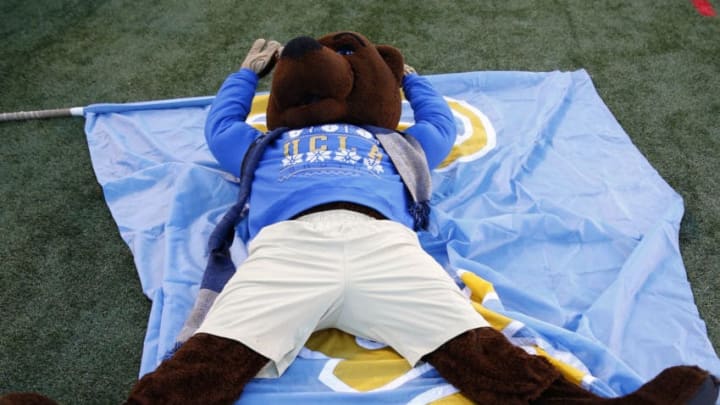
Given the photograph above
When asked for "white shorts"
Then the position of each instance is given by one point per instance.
(339, 269)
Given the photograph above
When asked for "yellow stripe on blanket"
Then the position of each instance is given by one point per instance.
(569, 372)
(356, 365)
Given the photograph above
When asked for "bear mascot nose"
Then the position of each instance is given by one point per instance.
(298, 47)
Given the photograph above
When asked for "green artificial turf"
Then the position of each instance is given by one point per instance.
(73, 314)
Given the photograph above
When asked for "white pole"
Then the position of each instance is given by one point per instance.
(41, 114)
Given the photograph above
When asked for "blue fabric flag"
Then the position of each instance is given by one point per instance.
(544, 196)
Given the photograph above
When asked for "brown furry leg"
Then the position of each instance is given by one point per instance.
(25, 398)
(563, 391)
(488, 369)
(205, 370)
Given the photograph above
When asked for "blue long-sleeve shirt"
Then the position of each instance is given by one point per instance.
(309, 166)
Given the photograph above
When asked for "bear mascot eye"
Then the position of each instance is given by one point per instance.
(345, 51)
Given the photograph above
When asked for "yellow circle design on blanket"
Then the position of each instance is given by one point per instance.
(364, 369)
(257, 115)
(361, 368)
(476, 134)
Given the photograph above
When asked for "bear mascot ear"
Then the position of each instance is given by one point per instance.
(394, 60)
(339, 78)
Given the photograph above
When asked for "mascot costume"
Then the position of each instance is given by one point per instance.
(333, 196)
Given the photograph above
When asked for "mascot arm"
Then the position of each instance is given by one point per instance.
(434, 123)
(227, 134)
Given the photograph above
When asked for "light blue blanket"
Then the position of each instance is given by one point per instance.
(544, 196)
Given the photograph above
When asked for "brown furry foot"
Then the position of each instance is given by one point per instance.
(674, 386)
(488, 369)
(205, 370)
(25, 398)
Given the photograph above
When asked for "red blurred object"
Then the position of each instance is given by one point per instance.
(704, 7)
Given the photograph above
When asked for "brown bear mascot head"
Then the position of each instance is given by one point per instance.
(341, 77)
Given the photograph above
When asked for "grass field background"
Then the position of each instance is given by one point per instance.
(73, 315)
